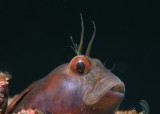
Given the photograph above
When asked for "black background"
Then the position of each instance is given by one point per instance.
(34, 39)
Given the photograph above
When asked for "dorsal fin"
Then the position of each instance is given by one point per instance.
(18, 97)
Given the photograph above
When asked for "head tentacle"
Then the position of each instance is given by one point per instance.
(82, 36)
(74, 46)
(91, 41)
(78, 49)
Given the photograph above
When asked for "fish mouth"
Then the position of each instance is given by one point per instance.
(118, 88)
(108, 86)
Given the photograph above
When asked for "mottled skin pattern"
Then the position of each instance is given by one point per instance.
(63, 91)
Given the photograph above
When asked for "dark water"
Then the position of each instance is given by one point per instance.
(34, 39)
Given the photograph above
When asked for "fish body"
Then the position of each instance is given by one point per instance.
(63, 91)
(82, 86)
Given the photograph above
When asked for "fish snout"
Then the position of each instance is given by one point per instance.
(106, 96)
(107, 85)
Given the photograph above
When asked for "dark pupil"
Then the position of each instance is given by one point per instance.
(80, 66)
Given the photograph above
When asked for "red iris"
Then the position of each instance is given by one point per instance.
(80, 65)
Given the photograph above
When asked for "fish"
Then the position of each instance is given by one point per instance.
(82, 86)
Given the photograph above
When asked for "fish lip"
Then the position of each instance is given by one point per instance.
(115, 87)
(118, 88)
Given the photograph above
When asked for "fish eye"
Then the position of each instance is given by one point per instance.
(80, 65)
